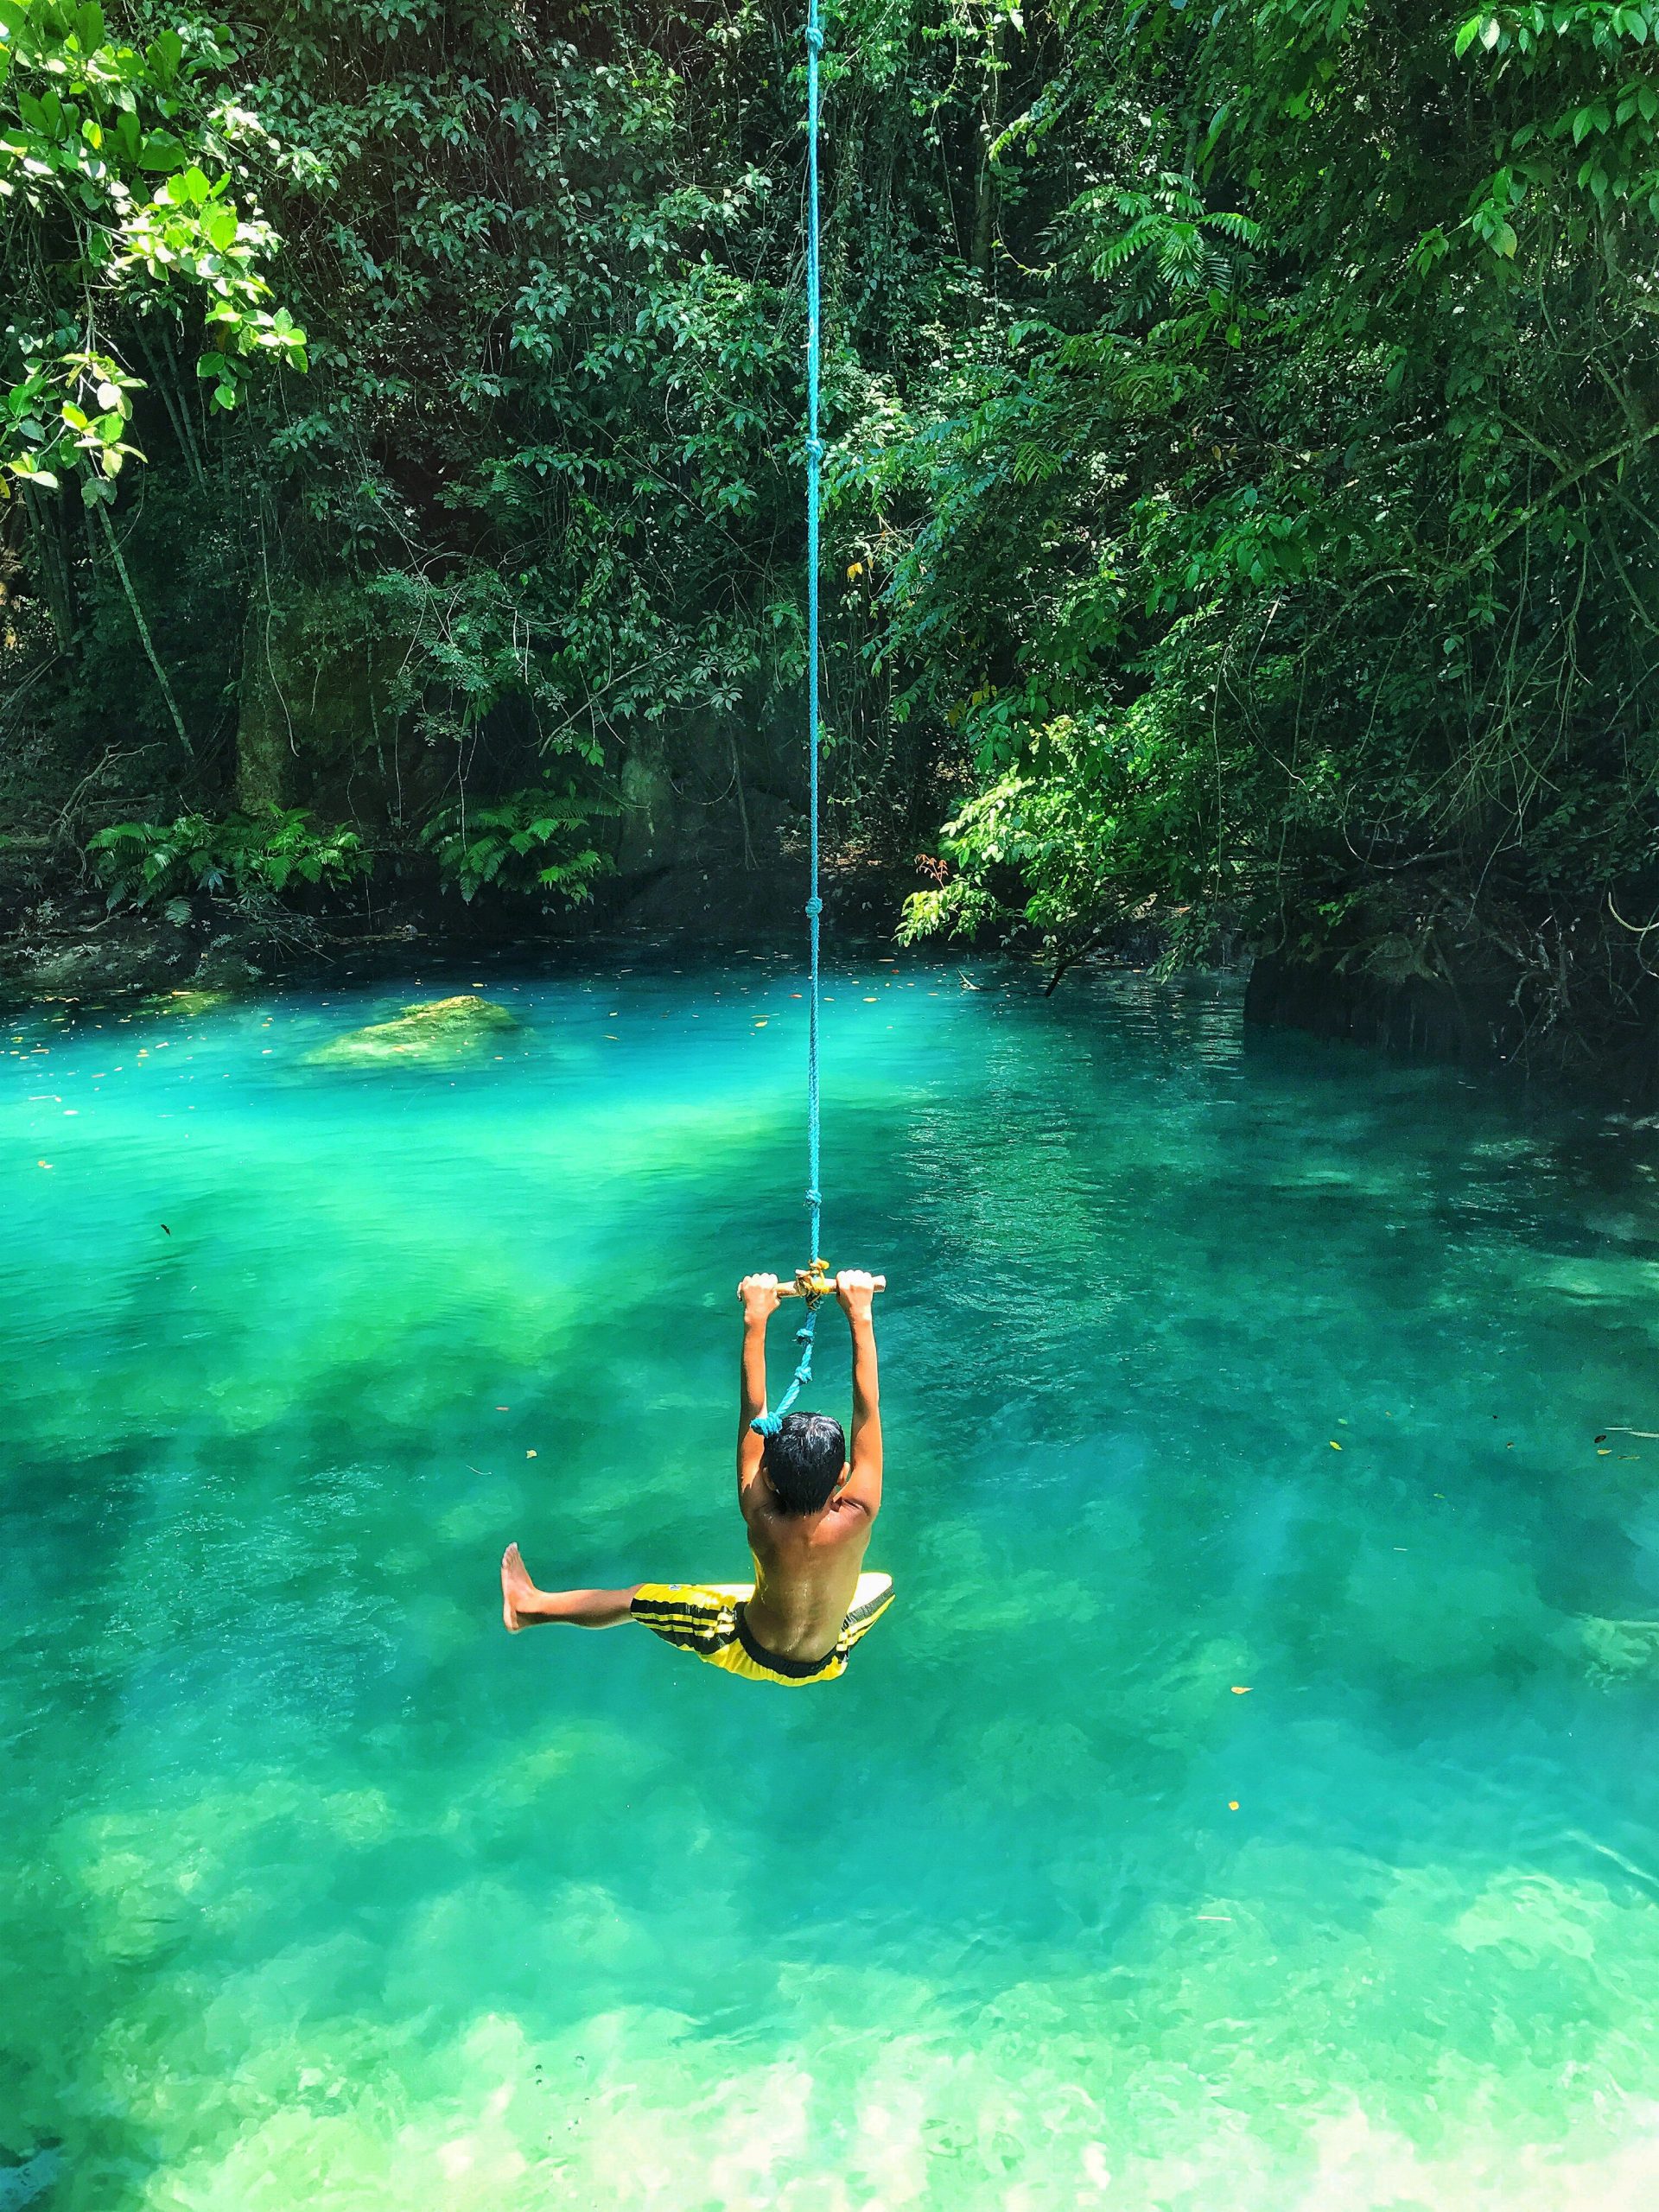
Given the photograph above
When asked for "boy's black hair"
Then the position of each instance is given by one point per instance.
(803, 1459)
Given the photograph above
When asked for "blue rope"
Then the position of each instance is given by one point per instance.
(767, 1423)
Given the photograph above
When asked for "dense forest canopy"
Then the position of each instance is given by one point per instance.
(1240, 485)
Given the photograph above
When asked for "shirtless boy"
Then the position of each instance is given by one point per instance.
(809, 1510)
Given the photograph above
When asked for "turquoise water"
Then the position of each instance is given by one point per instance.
(318, 1891)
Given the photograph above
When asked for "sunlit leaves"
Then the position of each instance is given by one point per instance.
(1586, 73)
(102, 147)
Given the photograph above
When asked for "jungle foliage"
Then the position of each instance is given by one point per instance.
(1241, 482)
(1309, 524)
(235, 856)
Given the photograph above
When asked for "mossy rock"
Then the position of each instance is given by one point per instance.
(436, 1032)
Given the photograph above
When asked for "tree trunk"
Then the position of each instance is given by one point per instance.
(984, 177)
(142, 628)
(53, 565)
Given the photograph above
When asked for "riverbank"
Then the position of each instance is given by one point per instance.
(1479, 1012)
(1484, 1010)
(70, 943)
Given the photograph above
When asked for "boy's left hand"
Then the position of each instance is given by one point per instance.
(759, 1294)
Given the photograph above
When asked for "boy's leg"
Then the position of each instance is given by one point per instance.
(523, 1604)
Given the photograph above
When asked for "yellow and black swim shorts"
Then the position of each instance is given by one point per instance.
(706, 1619)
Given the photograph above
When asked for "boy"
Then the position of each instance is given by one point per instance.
(809, 1510)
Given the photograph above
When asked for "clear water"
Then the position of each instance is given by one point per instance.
(318, 1891)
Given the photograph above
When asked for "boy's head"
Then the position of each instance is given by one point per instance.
(804, 1460)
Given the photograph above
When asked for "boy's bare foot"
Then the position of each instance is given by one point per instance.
(516, 1586)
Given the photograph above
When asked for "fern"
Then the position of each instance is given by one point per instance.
(531, 841)
(1170, 232)
(234, 857)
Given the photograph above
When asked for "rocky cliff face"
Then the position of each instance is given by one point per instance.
(316, 726)
(711, 808)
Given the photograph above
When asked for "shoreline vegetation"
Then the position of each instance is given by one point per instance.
(1241, 528)
(1471, 1020)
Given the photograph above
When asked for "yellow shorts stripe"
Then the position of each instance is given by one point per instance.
(707, 1619)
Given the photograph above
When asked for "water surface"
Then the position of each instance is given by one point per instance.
(1250, 1802)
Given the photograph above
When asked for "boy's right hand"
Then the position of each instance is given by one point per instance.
(759, 1294)
(854, 1291)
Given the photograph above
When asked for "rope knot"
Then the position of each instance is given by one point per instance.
(815, 449)
(765, 1424)
(813, 906)
(815, 1198)
(814, 39)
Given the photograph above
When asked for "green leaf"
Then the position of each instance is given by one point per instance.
(161, 151)
(164, 55)
(188, 190)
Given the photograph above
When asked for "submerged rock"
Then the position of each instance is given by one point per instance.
(436, 1032)
(187, 1003)
(1620, 1650)
(23, 2180)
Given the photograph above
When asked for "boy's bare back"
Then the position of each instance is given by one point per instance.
(807, 1562)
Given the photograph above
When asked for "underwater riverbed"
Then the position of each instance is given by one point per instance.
(1250, 1801)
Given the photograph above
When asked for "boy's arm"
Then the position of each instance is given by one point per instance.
(856, 1291)
(760, 1297)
